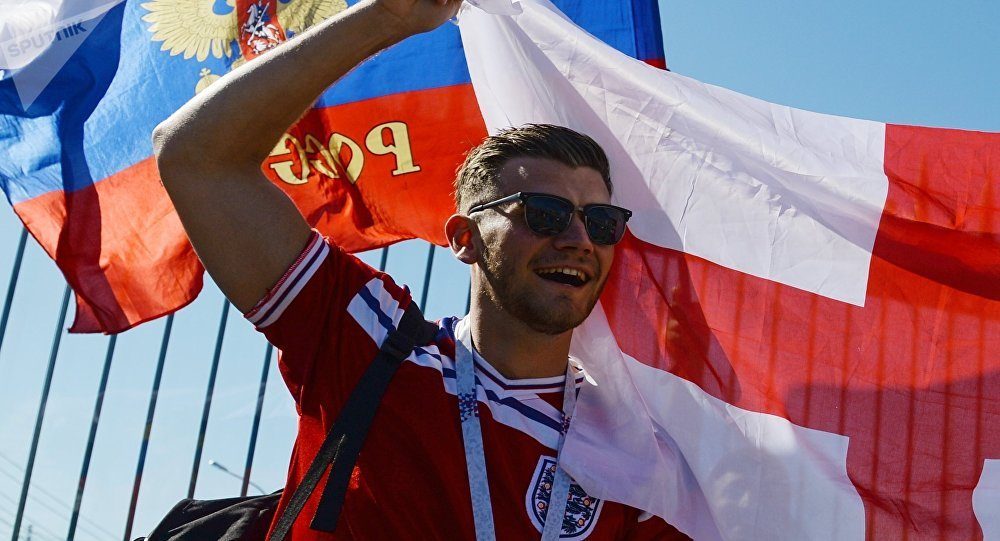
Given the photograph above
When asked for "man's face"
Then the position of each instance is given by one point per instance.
(521, 269)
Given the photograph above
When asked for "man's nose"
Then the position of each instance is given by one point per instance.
(575, 236)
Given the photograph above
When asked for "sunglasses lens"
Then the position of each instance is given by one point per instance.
(605, 224)
(547, 215)
(550, 215)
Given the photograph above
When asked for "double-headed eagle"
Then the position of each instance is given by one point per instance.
(196, 27)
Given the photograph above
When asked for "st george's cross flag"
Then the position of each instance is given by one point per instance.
(800, 336)
(84, 82)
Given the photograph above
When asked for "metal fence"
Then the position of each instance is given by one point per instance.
(102, 434)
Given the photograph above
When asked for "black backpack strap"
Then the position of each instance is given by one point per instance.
(345, 439)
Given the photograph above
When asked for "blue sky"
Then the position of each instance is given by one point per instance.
(915, 62)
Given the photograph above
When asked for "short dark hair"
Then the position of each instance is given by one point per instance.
(477, 178)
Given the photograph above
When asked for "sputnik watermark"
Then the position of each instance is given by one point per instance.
(26, 46)
(38, 37)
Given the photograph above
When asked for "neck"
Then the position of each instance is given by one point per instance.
(513, 348)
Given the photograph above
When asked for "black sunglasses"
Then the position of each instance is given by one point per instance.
(550, 215)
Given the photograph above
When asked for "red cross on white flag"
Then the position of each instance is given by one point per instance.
(800, 335)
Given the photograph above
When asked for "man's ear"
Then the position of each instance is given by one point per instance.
(460, 231)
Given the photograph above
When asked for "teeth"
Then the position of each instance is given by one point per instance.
(565, 270)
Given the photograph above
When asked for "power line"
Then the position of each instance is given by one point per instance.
(37, 488)
(46, 534)
(66, 508)
(37, 522)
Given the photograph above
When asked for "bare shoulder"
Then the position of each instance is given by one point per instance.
(245, 230)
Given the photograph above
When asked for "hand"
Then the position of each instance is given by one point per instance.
(418, 16)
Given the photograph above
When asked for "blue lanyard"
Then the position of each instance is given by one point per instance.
(475, 459)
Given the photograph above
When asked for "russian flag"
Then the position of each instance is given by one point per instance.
(370, 165)
(799, 336)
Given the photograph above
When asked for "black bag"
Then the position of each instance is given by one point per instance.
(248, 518)
(231, 519)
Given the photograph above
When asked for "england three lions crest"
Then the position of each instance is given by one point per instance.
(582, 510)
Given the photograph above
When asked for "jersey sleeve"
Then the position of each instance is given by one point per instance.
(307, 315)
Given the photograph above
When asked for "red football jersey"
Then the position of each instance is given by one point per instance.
(328, 315)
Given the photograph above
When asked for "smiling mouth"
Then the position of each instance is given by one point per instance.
(564, 275)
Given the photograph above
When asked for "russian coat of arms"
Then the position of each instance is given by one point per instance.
(199, 28)
(582, 510)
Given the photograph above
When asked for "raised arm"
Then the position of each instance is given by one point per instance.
(246, 230)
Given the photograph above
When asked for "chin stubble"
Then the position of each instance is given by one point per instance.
(525, 306)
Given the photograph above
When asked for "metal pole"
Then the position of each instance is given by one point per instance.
(41, 415)
(427, 278)
(14, 275)
(98, 404)
(468, 300)
(256, 419)
(385, 259)
(209, 392)
(153, 394)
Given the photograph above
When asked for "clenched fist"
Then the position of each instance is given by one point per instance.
(417, 16)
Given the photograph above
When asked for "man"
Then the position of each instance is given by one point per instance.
(538, 262)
